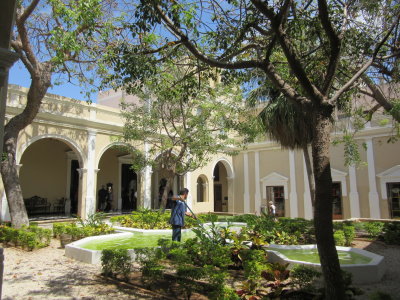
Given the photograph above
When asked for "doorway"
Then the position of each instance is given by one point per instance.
(128, 187)
(337, 201)
(74, 187)
(218, 198)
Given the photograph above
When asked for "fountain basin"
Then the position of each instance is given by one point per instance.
(366, 267)
(89, 249)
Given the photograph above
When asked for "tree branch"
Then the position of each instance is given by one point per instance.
(195, 51)
(335, 45)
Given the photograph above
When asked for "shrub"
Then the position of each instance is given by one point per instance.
(29, 238)
(304, 276)
(379, 295)
(116, 262)
(391, 233)
(340, 239)
(374, 229)
(349, 234)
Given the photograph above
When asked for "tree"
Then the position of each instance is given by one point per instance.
(314, 52)
(286, 123)
(183, 116)
(52, 37)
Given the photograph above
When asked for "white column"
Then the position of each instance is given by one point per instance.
(147, 181)
(246, 195)
(353, 195)
(231, 200)
(308, 210)
(5, 212)
(257, 196)
(90, 201)
(293, 191)
(373, 196)
(188, 185)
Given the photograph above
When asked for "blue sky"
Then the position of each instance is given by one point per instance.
(20, 76)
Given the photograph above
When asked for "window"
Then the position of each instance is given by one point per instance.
(276, 194)
(393, 189)
(201, 189)
(337, 200)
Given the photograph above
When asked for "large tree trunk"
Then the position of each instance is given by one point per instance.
(40, 83)
(334, 288)
(310, 174)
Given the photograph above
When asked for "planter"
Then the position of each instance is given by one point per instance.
(65, 239)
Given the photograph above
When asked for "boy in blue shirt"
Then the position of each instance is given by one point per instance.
(178, 213)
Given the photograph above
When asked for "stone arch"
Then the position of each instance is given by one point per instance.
(98, 158)
(70, 142)
(223, 194)
(227, 164)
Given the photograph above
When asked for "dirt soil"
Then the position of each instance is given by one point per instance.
(48, 274)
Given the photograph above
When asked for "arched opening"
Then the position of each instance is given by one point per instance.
(49, 177)
(202, 189)
(116, 171)
(221, 188)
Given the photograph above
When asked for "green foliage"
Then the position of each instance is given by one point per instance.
(340, 239)
(116, 262)
(374, 229)
(391, 233)
(304, 276)
(349, 234)
(93, 225)
(145, 219)
(29, 238)
(379, 295)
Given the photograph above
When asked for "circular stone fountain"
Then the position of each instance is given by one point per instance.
(366, 267)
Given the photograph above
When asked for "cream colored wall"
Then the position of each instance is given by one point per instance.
(389, 159)
(44, 170)
(238, 183)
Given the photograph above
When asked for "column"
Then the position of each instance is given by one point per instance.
(246, 195)
(293, 191)
(188, 185)
(374, 209)
(353, 195)
(90, 201)
(231, 199)
(257, 196)
(308, 209)
(147, 181)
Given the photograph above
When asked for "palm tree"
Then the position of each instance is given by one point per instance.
(286, 123)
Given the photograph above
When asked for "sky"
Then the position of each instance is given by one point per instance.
(20, 76)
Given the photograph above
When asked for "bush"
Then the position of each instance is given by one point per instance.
(304, 276)
(374, 229)
(116, 262)
(340, 239)
(349, 234)
(29, 238)
(378, 295)
(391, 233)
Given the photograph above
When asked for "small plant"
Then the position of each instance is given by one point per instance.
(116, 262)
(374, 229)
(340, 239)
(391, 233)
(379, 295)
(349, 234)
(304, 276)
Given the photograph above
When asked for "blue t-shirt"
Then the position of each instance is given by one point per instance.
(178, 214)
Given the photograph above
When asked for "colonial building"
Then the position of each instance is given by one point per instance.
(72, 149)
